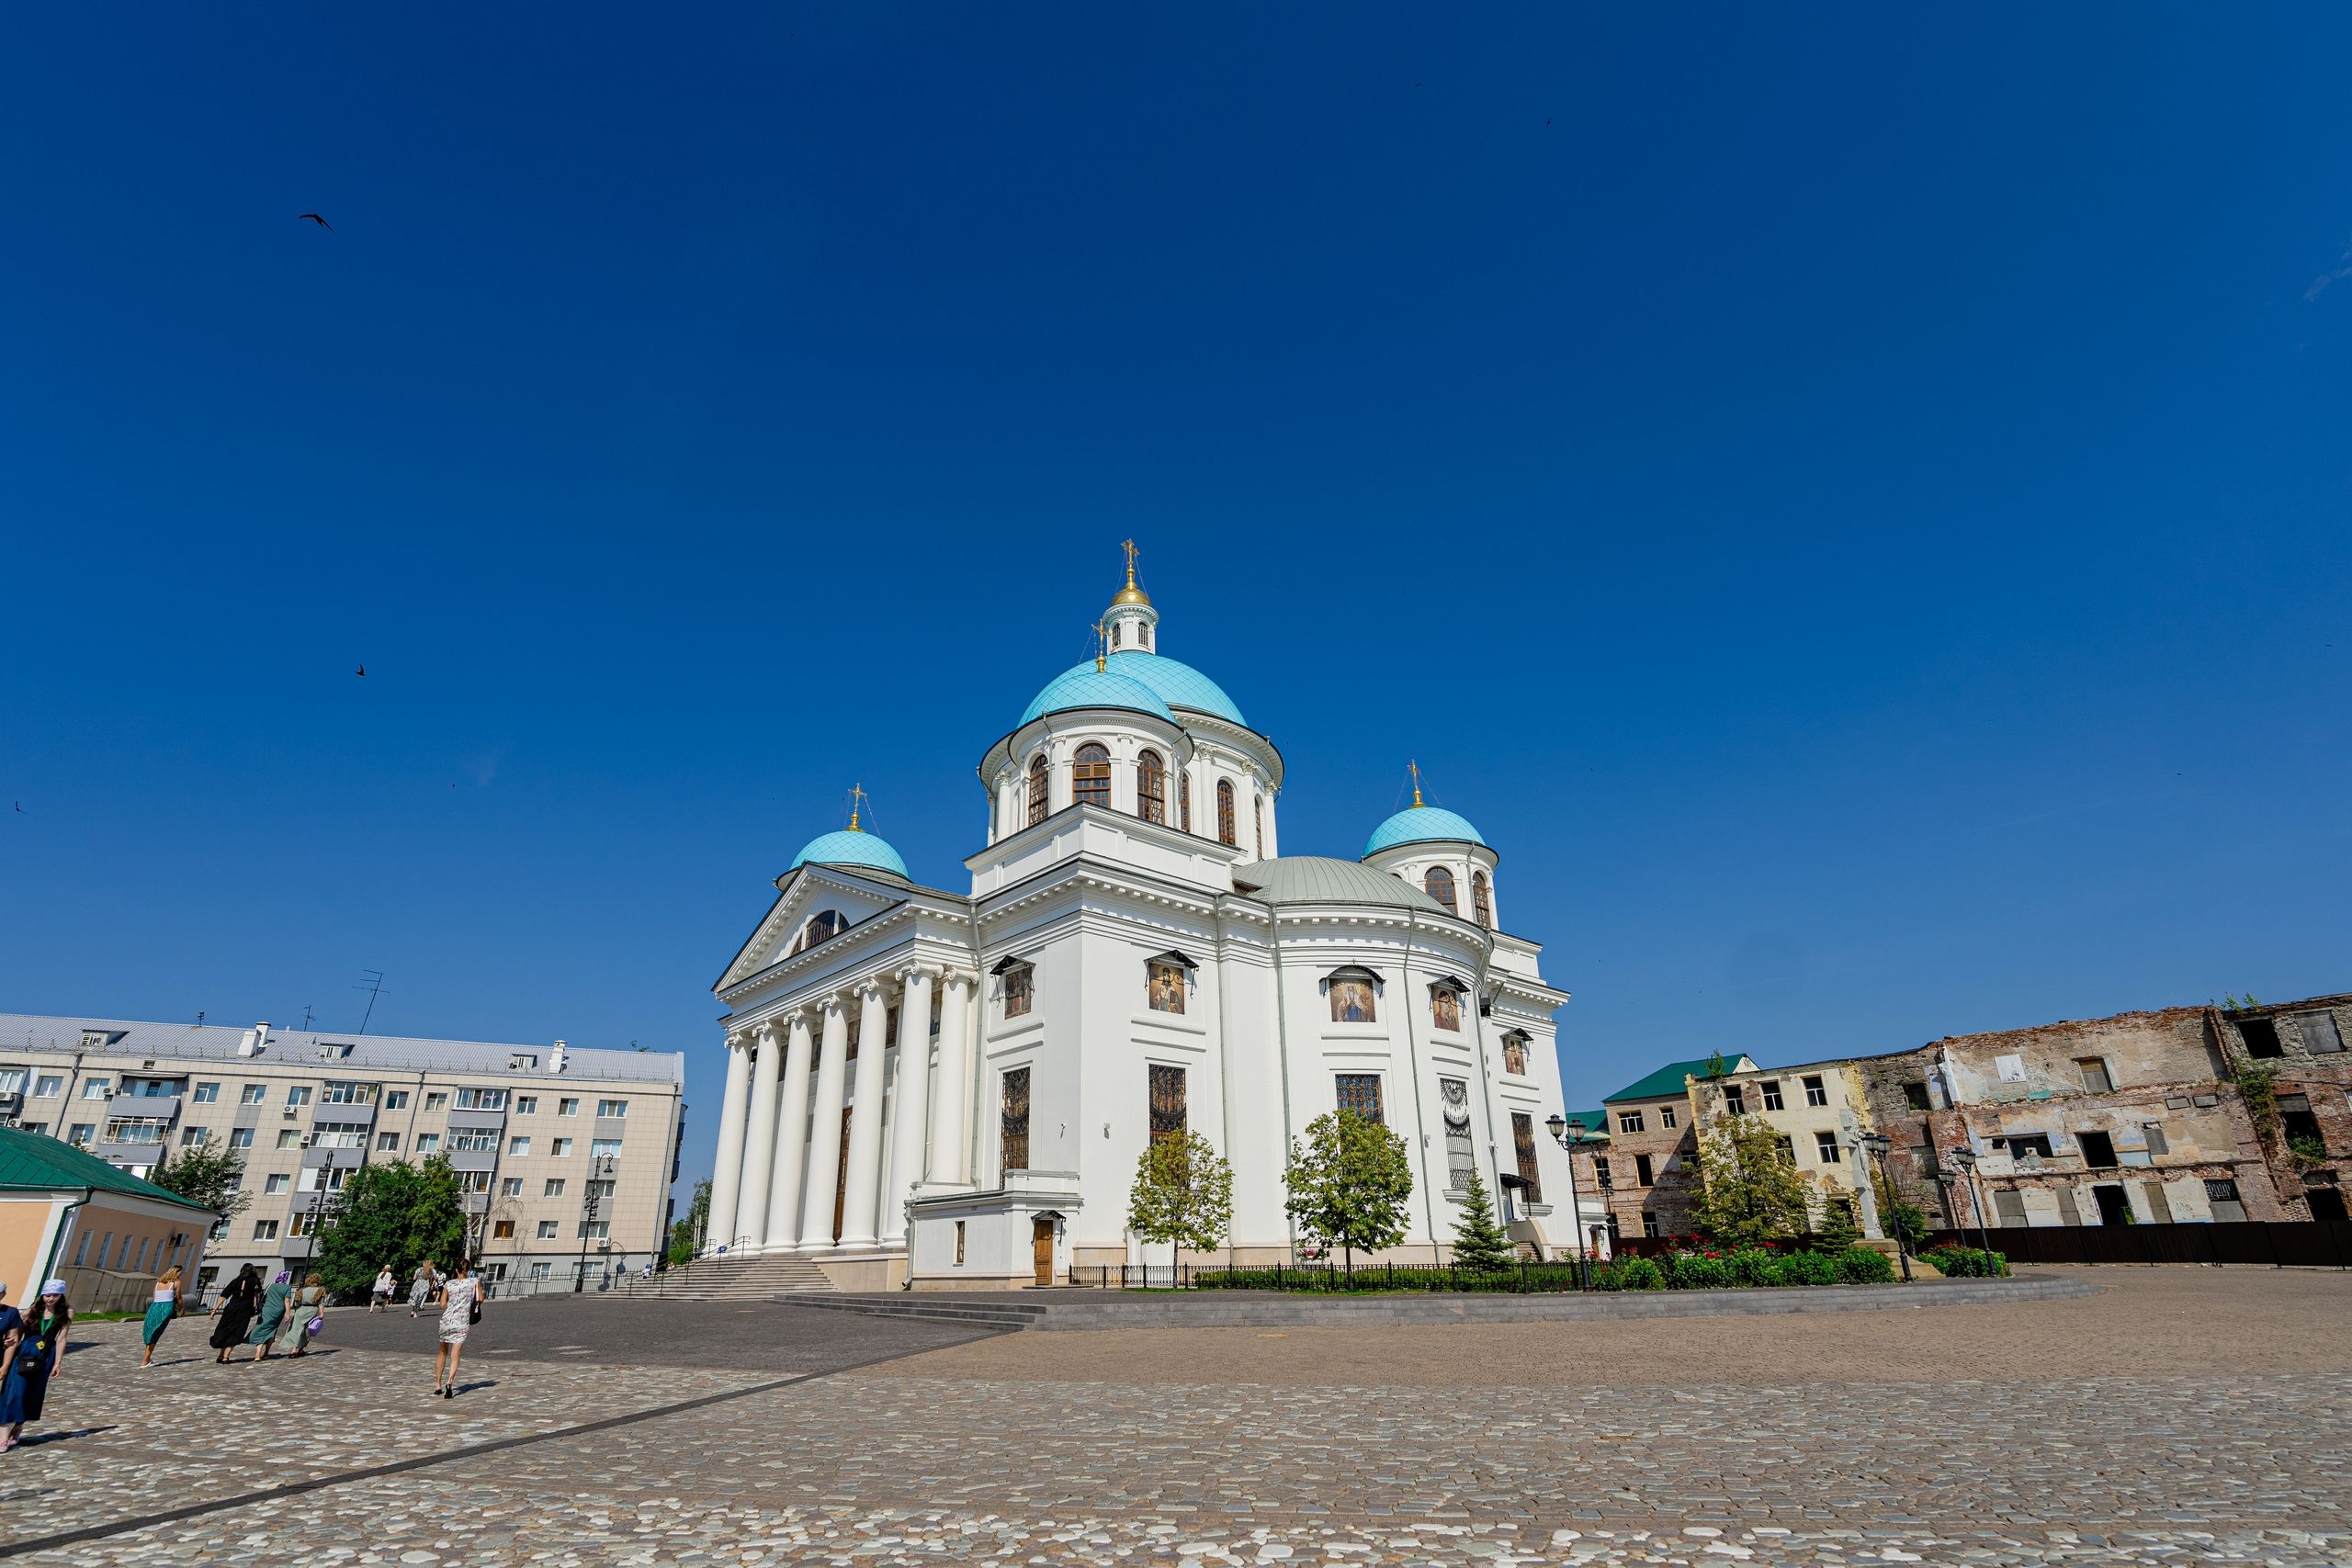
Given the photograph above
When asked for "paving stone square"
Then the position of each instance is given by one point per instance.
(2179, 1416)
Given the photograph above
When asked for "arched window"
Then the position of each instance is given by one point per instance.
(1090, 778)
(1225, 811)
(1038, 775)
(1351, 996)
(821, 927)
(1185, 801)
(1257, 825)
(1116, 627)
(1152, 787)
(1143, 633)
(1438, 883)
(1481, 905)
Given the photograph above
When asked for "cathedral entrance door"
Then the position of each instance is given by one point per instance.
(840, 1180)
(1041, 1248)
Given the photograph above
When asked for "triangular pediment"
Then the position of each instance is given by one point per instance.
(810, 893)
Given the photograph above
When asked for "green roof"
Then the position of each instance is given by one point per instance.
(1666, 1082)
(1596, 1124)
(36, 1160)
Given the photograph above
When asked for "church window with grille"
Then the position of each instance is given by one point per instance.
(1438, 883)
(1166, 1102)
(1090, 776)
(1015, 1119)
(1515, 1054)
(1461, 1161)
(1522, 1139)
(1038, 789)
(1225, 825)
(1482, 903)
(1360, 1092)
(1185, 801)
(1152, 787)
(1352, 996)
(1257, 825)
(1116, 627)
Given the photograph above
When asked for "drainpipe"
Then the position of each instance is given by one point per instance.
(1224, 1048)
(1413, 1065)
(64, 1221)
(1282, 1059)
(1485, 1099)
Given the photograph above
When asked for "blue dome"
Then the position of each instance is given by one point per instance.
(1420, 825)
(1087, 687)
(850, 847)
(1174, 682)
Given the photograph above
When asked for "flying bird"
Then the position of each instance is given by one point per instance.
(315, 219)
(363, 669)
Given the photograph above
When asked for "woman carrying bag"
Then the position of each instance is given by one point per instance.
(305, 1315)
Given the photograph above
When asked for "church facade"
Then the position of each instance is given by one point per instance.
(955, 1085)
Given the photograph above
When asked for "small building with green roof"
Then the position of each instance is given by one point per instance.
(67, 1214)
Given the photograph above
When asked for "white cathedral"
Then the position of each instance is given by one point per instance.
(954, 1087)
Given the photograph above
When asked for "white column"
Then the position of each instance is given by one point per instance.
(792, 1140)
(951, 1151)
(910, 1112)
(825, 1132)
(727, 1175)
(864, 1180)
(759, 1140)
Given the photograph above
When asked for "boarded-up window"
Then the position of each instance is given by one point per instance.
(2068, 1213)
(2008, 1207)
(1522, 1139)
(2157, 1145)
(1166, 1102)
(2096, 1079)
(2321, 1037)
(1360, 1092)
(2011, 1069)
(1015, 1121)
(2158, 1204)
(2223, 1196)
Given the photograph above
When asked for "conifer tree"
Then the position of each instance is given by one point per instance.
(1479, 1240)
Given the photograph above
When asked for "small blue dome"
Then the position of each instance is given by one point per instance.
(1173, 681)
(1421, 825)
(850, 847)
(1087, 687)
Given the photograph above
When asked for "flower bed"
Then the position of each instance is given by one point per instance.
(1687, 1269)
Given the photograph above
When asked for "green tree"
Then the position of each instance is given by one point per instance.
(395, 1212)
(1838, 1229)
(686, 1233)
(1348, 1184)
(205, 1173)
(1899, 1218)
(1479, 1240)
(1751, 1191)
(1183, 1194)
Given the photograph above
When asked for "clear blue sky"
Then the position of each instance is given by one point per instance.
(1855, 507)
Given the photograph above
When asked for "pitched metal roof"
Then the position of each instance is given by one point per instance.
(38, 1161)
(1666, 1082)
(26, 1036)
(1316, 879)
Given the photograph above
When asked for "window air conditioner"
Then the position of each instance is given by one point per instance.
(306, 1140)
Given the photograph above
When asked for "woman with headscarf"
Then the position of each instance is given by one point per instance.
(272, 1315)
(161, 1307)
(306, 1304)
(32, 1362)
(239, 1300)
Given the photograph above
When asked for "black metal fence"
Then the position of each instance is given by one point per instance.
(2296, 1244)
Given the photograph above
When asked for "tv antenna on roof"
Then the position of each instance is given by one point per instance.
(371, 982)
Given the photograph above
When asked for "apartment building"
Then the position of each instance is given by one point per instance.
(1819, 1111)
(567, 1155)
(1653, 1139)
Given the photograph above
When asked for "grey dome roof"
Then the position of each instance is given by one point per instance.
(1317, 879)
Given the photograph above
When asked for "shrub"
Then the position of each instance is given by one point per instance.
(1750, 1266)
(1864, 1266)
(1968, 1262)
(1803, 1268)
(1698, 1272)
(1637, 1274)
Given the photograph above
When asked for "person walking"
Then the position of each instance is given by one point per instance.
(422, 1289)
(161, 1307)
(381, 1297)
(305, 1307)
(11, 1319)
(240, 1298)
(33, 1362)
(271, 1317)
(461, 1309)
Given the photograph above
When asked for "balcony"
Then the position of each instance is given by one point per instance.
(129, 1153)
(477, 1202)
(344, 1112)
(339, 1159)
(163, 1107)
(473, 1159)
(479, 1121)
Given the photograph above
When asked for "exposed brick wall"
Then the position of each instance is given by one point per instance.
(1673, 1173)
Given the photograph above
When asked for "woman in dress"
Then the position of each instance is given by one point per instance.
(294, 1335)
(238, 1299)
(460, 1299)
(271, 1317)
(381, 1297)
(161, 1307)
(32, 1362)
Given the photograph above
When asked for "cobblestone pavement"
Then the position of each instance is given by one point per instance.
(2220, 1430)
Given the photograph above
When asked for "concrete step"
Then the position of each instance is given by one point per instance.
(953, 1309)
(742, 1278)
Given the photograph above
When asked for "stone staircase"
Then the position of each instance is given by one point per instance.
(740, 1279)
(922, 1306)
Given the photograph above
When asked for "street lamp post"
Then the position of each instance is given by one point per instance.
(1965, 1158)
(600, 1170)
(1877, 1144)
(1568, 1135)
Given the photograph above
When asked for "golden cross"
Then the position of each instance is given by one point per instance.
(1416, 767)
(858, 797)
(1129, 545)
(1101, 646)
